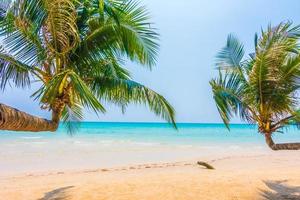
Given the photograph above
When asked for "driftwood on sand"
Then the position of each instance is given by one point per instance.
(208, 166)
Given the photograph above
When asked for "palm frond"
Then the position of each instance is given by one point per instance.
(20, 30)
(28, 13)
(26, 48)
(84, 94)
(127, 32)
(230, 57)
(71, 116)
(138, 37)
(273, 51)
(124, 91)
(62, 33)
(228, 95)
(13, 70)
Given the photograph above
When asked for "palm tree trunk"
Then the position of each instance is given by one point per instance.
(15, 120)
(283, 146)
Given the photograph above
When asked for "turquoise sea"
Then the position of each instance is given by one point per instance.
(97, 145)
(162, 133)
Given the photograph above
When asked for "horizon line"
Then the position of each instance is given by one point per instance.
(161, 122)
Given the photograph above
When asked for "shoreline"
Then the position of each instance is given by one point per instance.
(70, 158)
(131, 167)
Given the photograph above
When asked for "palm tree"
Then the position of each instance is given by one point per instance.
(262, 88)
(76, 49)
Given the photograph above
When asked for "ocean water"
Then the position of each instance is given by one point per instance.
(155, 133)
(96, 145)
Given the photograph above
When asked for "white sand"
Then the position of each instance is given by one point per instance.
(239, 175)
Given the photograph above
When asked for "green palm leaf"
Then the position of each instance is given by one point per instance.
(12, 69)
(124, 91)
(230, 57)
(263, 87)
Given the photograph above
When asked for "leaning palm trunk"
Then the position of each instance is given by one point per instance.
(282, 146)
(15, 120)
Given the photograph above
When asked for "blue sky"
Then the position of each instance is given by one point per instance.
(192, 32)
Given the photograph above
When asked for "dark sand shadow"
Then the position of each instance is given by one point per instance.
(57, 194)
(278, 190)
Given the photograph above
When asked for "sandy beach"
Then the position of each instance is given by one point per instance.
(266, 175)
(149, 100)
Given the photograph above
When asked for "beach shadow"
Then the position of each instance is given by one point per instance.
(280, 191)
(57, 194)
